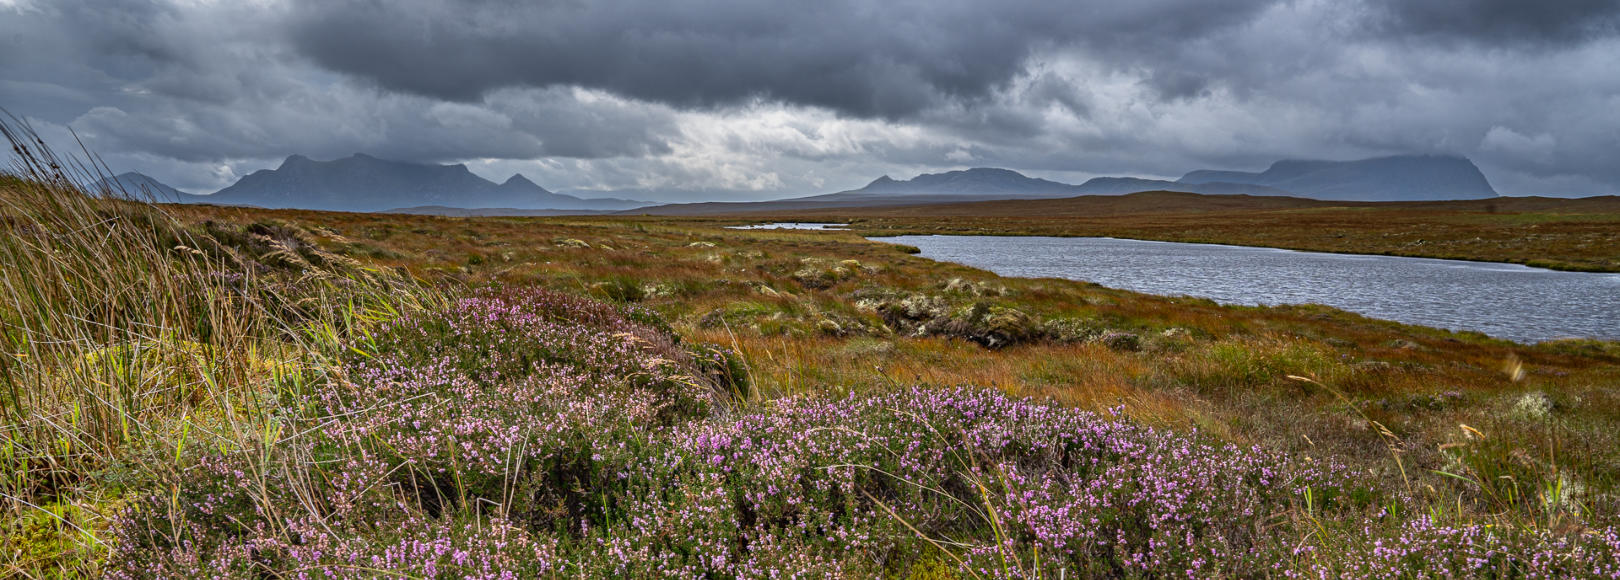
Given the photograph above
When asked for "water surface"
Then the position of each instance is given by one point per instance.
(1503, 300)
(791, 226)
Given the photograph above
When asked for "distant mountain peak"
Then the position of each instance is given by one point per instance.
(518, 182)
(987, 171)
(975, 181)
(518, 179)
(139, 185)
(362, 182)
(1419, 177)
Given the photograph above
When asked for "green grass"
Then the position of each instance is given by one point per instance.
(775, 297)
(1577, 234)
(127, 336)
(138, 344)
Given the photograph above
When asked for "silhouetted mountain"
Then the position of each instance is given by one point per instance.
(985, 183)
(488, 211)
(365, 183)
(972, 185)
(980, 181)
(140, 186)
(1176, 203)
(1398, 178)
(1129, 185)
(519, 187)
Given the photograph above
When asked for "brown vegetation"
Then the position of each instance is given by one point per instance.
(816, 312)
(1476, 431)
(1566, 234)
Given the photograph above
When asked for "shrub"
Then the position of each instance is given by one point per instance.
(621, 289)
(124, 330)
(528, 433)
(1121, 341)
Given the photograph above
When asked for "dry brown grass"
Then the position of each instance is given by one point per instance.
(1571, 234)
(127, 336)
(798, 306)
(1217, 368)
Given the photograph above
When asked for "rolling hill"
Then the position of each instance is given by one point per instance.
(365, 183)
(1398, 178)
(1181, 203)
(140, 186)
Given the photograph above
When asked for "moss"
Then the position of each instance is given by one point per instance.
(54, 540)
(926, 568)
(737, 313)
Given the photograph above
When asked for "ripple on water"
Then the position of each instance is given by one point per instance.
(1503, 300)
(791, 226)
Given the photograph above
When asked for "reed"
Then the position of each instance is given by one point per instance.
(126, 335)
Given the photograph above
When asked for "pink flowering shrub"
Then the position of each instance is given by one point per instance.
(529, 433)
(1421, 547)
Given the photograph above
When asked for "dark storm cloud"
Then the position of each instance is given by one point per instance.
(888, 59)
(219, 82)
(807, 97)
(1496, 22)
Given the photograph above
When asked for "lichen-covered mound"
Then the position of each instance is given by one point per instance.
(528, 433)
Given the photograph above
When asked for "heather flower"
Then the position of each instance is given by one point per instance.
(528, 433)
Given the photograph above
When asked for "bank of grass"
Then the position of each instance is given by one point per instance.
(1575, 235)
(827, 312)
(232, 392)
(822, 312)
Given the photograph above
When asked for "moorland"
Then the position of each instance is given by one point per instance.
(199, 390)
(1581, 234)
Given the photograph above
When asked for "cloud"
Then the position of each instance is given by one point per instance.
(1495, 22)
(738, 99)
(1538, 148)
(864, 58)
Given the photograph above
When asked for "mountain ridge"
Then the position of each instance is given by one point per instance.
(137, 185)
(1324, 180)
(987, 183)
(1389, 178)
(978, 180)
(364, 183)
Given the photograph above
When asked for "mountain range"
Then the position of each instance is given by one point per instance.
(138, 186)
(1397, 178)
(985, 181)
(364, 183)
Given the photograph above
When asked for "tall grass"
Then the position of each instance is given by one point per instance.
(239, 398)
(126, 335)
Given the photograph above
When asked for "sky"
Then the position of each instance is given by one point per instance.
(679, 100)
